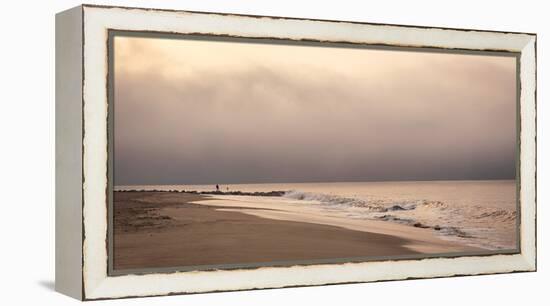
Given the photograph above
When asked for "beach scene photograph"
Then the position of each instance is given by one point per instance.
(238, 153)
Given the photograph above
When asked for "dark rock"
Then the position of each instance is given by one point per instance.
(420, 225)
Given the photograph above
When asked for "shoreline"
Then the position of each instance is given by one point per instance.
(171, 229)
(281, 193)
(421, 239)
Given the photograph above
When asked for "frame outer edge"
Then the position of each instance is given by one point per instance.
(528, 102)
(68, 153)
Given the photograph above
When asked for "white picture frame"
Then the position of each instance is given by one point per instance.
(82, 150)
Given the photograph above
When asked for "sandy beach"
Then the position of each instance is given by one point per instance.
(172, 229)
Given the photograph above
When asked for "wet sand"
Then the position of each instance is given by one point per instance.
(169, 229)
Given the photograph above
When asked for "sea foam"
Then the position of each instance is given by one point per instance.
(448, 220)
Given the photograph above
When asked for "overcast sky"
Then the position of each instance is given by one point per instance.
(203, 112)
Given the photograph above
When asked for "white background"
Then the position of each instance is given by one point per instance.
(27, 160)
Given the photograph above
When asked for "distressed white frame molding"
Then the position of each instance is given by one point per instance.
(82, 34)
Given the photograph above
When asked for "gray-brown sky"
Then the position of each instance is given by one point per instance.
(194, 112)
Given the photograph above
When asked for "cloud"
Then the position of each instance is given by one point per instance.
(335, 114)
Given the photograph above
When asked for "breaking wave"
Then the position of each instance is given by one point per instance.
(333, 200)
(372, 205)
(436, 215)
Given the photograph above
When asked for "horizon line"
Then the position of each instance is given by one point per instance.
(320, 182)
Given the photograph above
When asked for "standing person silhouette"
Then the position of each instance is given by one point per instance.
(217, 188)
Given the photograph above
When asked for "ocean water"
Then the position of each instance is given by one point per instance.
(477, 213)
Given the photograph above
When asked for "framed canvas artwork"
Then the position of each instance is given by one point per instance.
(200, 152)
